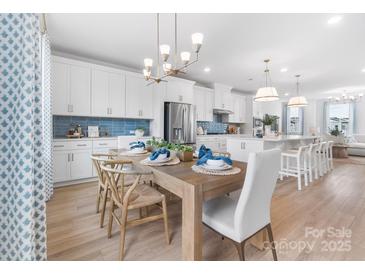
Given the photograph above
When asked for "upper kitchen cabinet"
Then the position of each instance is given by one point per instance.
(239, 109)
(204, 103)
(179, 91)
(107, 93)
(139, 97)
(222, 97)
(71, 87)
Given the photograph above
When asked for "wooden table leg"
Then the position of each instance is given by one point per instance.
(259, 239)
(192, 228)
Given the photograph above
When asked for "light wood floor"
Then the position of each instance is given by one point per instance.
(337, 200)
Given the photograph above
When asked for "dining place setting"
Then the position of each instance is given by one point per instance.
(211, 163)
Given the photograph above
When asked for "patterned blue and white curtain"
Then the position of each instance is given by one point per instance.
(22, 187)
(47, 116)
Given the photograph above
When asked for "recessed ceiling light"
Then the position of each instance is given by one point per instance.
(334, 20)
(207, 69)
(363, 70)
(286, 94)
(284, 70)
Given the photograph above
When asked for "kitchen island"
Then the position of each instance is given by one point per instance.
(240, 147)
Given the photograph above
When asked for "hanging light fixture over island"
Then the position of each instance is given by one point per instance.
(267, 93)
(298, 101)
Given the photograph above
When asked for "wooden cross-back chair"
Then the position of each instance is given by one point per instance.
(136, 196)
(103, 192)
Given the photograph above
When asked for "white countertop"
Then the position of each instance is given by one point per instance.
(281, 138)
(95, 138)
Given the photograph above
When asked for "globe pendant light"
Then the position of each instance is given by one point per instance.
(298, 101)
(267, 93)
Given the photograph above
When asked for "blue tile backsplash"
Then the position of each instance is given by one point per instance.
(213, 127)
(107, 126)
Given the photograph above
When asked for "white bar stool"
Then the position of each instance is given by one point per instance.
(313, 151)
(322, 158)
(300, 156)
(330, 154)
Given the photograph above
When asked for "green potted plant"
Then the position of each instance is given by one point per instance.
(185, 153)
(337, 135)
(268, 121)
(139, 132)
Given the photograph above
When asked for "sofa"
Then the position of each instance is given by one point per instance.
(357, 145)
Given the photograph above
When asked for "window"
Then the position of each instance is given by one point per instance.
(294, 121)
(340, 116)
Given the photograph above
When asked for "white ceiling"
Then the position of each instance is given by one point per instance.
(329, 57)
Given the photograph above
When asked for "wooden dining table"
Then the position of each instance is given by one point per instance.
(195, 188)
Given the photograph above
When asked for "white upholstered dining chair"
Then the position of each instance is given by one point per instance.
(242, 217)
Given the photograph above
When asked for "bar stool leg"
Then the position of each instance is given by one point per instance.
(281, 167)
(305, 170)
(310, 167)
(315, 166)
(299, 174)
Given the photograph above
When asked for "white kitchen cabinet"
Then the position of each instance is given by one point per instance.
(80, 94)
(239, 109)
(71, 87)
(199, 96)
(116, 95)
(209, 102)
(99, 93)
(107, 94)
(216, 144)
(81, 166)
(179, 91)
(61, 166)
(204, 103)
(241, 148)
(72, 160)
(60, 84)
(138, 98)
(222, 97)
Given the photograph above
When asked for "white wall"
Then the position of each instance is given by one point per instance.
(360, 117)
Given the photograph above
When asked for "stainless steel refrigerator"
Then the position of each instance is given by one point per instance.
(179, 123)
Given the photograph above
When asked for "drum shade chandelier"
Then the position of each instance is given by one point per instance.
(267, 93)
(298, 101)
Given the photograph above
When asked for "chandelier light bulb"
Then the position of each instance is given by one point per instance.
(185, 57)
(146, 74)
(197, 39)
(361, 95)
(166, 67)
(148, 62)
(165, 52)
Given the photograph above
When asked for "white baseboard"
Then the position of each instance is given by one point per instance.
(75, 182)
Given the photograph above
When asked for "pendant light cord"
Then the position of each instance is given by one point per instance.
(158, 45)
(175, 40)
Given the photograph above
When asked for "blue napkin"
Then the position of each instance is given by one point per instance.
(209, 156)
(136, 145)
(203, 150)
(155, 154)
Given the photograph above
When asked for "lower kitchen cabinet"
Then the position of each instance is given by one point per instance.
(216, 144)
(71, 165)
(81, 164)
(61, 166)
(241, 148)
(71, 158)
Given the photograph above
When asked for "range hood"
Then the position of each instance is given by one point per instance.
(222, 99)
(222, 111)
